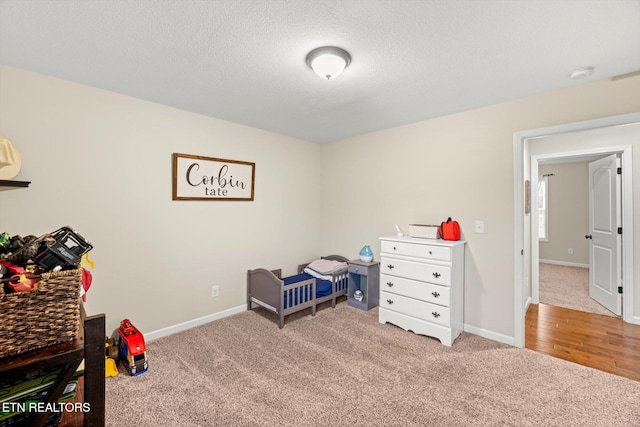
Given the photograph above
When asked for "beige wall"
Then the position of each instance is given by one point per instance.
(568, 213)
(101, 163)
(461, 166)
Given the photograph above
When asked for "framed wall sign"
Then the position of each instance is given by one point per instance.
(208, 178)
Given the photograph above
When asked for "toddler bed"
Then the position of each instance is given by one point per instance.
(316, 282)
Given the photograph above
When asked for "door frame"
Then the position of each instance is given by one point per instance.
(535, 247)
(521, 253)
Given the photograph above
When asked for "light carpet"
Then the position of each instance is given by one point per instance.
(568, 287)
(343, 368)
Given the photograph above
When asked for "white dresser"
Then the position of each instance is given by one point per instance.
(422, 286)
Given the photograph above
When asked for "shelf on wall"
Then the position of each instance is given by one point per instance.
(10, 185)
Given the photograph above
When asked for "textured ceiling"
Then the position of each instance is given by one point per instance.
(244, 60)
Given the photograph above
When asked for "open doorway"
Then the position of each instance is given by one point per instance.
(595, 137)
(545, 152)
(565, 250)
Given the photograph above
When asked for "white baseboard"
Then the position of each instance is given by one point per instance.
(490, 335)
(635, 320)
(169, 330)
(568, 264)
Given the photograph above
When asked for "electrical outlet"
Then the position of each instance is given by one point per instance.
(570, 251)
(215, 291)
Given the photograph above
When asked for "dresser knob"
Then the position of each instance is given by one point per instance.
(394, 248)
(430, 253)
(436, 274)
(435, 294)
(390, 301)
(390, 266)
(390, 284)
(435, 314)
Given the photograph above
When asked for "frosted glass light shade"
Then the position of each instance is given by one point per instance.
(328, 62)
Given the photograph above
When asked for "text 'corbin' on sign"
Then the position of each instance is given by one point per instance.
(208, 178)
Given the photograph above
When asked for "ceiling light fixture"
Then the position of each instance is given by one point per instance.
(328, 61)
(581, 73)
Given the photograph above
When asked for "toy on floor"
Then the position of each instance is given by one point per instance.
(111, 358)
(133, 352)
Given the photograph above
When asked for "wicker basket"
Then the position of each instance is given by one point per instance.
(40, 318)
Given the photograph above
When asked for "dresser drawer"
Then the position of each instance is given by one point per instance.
(420, 290)
(434, 252)
(416, 308)
(438, 274)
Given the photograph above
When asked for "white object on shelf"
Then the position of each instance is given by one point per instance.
(424, 231)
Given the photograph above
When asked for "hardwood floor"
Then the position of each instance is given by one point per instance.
(601, 342)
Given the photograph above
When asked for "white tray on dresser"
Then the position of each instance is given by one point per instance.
(422, 286)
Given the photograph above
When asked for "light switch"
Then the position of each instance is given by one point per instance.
(479, 226)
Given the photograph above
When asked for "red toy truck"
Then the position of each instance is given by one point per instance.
(133, 351)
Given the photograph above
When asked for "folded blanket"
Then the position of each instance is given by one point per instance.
(328, 277)
(325, 267)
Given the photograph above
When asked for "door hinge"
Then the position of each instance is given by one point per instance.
(619, 171)
(619, 230)
(619, 289)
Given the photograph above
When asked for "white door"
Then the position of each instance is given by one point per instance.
(604, 240)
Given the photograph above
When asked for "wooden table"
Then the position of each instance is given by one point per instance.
(90, 346)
